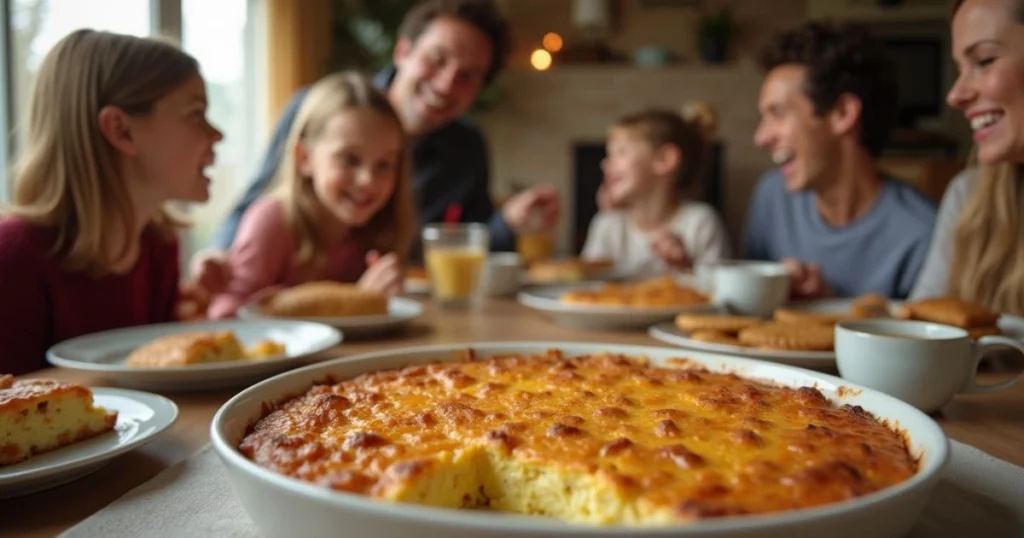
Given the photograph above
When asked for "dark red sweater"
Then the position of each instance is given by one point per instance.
(41, 305)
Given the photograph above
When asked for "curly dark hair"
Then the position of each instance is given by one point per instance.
(659, 127)
(483, 15)
(842, 59)
(1018, 9)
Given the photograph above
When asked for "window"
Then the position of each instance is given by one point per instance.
(222, 36)
(37, 25)
(5, 103)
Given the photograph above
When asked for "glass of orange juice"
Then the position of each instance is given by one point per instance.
(535, 243)
(454, 255)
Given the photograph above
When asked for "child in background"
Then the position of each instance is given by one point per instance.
(117, 129)
(645, 225)
(341, 208)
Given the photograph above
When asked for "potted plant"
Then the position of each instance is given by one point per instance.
(715, 30)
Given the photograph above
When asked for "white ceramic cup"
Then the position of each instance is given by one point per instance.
(924, 364)
(502, 274)
(751, 288)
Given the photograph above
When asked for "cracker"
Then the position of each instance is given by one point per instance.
(790, 336)
(715, 337)
(978, 332)
(784, 315)
(950, 311)
(712, 322)
(871, 305)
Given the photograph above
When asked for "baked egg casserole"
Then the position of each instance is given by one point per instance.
(600, 439)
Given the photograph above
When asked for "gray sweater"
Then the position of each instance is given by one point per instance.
(932, 281)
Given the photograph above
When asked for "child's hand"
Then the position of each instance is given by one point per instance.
(669, 247)
(383, 274)
(211, 271)
(805, 280)
(521, 208)
(193, 301)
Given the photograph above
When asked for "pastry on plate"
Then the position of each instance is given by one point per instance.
(651, 293)
(40, 415)
(198, 347)
(949, 311)
(566, 270)
(325, 299)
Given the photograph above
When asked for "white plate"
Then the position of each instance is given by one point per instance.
(140, 417)
(106, 351)
(547, 300)
(401, 312)
(669, 333)
(281, 505)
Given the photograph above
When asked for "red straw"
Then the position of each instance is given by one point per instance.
(453, 213)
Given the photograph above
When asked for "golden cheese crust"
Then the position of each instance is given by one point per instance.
(600, 439)
(651, 293)
(40, 415)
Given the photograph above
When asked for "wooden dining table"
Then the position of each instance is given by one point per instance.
(993, 423)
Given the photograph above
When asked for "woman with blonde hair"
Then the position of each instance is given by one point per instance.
(977, 253)
(341, 208)
(117, 129)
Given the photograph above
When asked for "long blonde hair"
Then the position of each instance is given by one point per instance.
(988, 238)
(988, 241)
(68, 179)
(392, 228)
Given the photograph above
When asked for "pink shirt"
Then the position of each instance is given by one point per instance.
(263, 254)
(42, 304)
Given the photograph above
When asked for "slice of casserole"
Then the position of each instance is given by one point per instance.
(188, 348)
(40, 415)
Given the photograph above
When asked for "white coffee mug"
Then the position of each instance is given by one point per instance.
(502, 274)
(924, 364)
(751, 288)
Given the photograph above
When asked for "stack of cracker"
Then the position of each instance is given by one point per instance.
(790, 329)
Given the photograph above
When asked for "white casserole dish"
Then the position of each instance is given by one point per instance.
(283, 506)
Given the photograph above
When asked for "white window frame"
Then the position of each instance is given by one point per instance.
(165, 18)
(6, 103)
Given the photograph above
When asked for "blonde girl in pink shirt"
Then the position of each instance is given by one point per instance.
(340, 208)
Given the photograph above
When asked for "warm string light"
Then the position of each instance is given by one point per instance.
(552, 42)
(542, 58)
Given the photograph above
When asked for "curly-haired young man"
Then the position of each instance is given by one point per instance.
(827, 105)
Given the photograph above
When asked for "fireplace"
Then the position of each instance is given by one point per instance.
(587, 177)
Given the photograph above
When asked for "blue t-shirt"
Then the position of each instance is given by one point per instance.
(882, 251)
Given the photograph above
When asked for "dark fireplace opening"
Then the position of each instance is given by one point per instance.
(587, 175)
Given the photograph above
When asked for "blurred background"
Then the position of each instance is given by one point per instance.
(576, 66)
